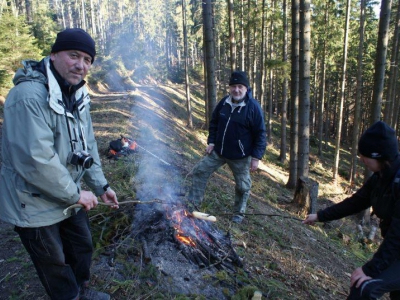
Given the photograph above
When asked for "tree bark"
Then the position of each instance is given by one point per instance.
(209, 51)
(357, 109)
(342, 94)
(305, 196)
(185, 53)
(380, 60)
(390, 109)
(282, 155)
(304, 89)
(294, 95)
(232, 41)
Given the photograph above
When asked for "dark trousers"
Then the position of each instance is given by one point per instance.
(61, 254)
(387, 282)
(209, 164)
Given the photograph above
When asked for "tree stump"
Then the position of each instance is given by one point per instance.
(305, 196)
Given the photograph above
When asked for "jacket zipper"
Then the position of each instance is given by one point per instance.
(241, 147)
(223, 137)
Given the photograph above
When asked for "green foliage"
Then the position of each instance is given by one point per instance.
(16, 44)
(45, 30)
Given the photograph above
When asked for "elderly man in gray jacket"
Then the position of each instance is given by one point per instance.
(48, 146)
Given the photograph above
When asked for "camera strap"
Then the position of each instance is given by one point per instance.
(80, 134)
(69, 131)
(73, 141)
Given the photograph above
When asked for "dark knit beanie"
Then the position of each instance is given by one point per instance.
(75, 39)
(379, 141)
(239, 77)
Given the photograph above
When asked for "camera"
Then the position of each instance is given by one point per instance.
(81, 158)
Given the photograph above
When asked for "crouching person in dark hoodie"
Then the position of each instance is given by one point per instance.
(378, 148)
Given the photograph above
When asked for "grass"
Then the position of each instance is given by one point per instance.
(278, 251)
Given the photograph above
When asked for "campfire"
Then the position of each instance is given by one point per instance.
(200, 242)
(196, 238)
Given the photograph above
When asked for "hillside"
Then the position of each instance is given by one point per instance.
(282, 258)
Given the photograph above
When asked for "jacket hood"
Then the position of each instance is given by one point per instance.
(41, 72)
(30, 72)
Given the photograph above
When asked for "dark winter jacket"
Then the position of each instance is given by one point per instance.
(238, 132)
(380, 193)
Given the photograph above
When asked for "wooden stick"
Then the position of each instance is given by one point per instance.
(261, 214)
(111, 204)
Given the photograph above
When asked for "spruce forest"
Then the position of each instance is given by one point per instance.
(323, 72)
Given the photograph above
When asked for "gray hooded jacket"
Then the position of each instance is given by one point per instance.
(37, 183)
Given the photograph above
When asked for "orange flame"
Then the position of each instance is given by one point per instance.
(178, 217)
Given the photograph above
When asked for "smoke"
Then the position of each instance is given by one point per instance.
(156, 176)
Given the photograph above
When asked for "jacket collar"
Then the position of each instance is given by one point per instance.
(55, 98)
(241, 103)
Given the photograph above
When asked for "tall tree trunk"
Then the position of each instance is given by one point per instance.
(242, 37)
(254, 73)
(209, 51)
(380, 60)
(342, 94)
(247, 62)
(282, 155)
(262, 56)
(185, 51)
(294, 95)
(321, 105)
(357, 109)
(391, 87)
(28, 11)
(270, 77)
(313, 100)
(232, 41)
(93, 28)
(304, 89)
(83, 15)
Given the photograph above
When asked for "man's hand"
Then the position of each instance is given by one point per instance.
(88, 200)
(210, 148)
(110, 197)
(254, 164)
(311, 219)
(358, 277)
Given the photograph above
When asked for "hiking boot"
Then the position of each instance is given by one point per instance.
(89, 294)
(237, 219)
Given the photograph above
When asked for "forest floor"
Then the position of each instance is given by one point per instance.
(283, 258)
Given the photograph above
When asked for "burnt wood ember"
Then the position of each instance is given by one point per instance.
(146, 254)
(199, 241)
(198, 238)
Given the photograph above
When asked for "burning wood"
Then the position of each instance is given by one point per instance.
(200, 242)
(193, 234)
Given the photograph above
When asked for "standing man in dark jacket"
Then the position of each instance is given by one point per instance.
(378, 147)
(237, 137)
(48, 146)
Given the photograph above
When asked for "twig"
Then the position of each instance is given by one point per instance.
(6, 277)
(261, 214)
(111, 204)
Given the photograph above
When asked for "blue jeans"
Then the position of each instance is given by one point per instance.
(61, 254)
(386, 282)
